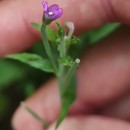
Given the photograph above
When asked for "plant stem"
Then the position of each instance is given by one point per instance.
(61, 75)
(61, 78)
(70, 73)
(48, 47)
(37, 117)
(62, 48)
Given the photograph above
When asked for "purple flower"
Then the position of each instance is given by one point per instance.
(53, 12)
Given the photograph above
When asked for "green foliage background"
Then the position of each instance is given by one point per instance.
(18, 80)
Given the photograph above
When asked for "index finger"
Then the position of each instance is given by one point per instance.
(17, 34)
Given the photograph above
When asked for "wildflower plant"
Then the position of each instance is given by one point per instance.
(59, 62)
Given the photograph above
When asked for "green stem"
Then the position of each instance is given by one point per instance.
(37, 117)
(47, 47)
(62, 48)
(61, 74)
(70, 73)
(61, 78)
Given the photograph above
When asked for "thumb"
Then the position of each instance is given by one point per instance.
(92, 123)
(16, 32)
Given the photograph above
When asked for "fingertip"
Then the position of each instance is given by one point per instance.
(22, 120)
(92, 123)
(45, 103)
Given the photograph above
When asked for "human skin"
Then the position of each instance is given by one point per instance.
(103, 76)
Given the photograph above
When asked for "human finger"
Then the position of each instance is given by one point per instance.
(92, 123)
(16, 32)
(119, 109)
(102, 78)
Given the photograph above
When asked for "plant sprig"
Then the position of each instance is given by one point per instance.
(59, 62)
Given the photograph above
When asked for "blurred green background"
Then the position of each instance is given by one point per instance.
(19, 81)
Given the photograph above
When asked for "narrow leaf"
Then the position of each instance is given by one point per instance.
(37, 117)
(61, 31)
(67, 99)
(33, 60)
(37, 26)
(51, 34)
(94, 36)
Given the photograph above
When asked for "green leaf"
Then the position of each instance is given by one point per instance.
(67, 99)
(94, 36)
(35, 115)
(75, 40)
(37, 26)
(33, 60)
(51, 34)
(58, 26)
(66, 61)
(61, 31)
